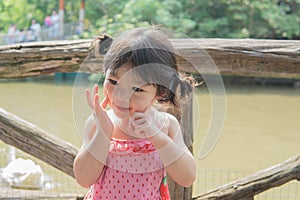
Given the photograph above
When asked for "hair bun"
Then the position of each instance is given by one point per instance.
(104, 43)
(101, 44)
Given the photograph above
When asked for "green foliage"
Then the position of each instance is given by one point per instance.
(21, 12)
(215, 18)
(10, 13)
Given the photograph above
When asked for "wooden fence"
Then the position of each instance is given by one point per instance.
(37, 142)
(262, 58)
(243, 57)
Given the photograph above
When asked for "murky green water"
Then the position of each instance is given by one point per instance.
(261, 128)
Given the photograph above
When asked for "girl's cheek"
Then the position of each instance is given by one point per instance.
(105, 83)
(142, 104)
(108, 87)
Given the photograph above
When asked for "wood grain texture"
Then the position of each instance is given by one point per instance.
(246, 188)
(10, 193)
(242, 57)
(37, 142)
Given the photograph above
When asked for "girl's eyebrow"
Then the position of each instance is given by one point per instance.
(140, 83)
(111, 75)
(135, 82)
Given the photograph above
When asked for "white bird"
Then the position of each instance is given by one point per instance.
(24, 174)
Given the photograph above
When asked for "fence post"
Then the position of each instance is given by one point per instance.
(247, 198)
(184, 115)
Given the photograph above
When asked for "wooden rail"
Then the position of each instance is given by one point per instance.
(247, 188)
(9, 194)
(243, 57)
(54, 151)
(37, 142)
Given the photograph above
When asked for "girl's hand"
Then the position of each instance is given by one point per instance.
(102, 121)
(145, 124)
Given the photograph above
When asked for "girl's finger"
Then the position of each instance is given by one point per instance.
(139, 122)
(104, 92)
(106, 96)
(96, 87)
(96, 103)
(89, 98)
(145, 113)
(105, 102)
(138, 115)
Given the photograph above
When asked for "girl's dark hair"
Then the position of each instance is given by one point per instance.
(151, 56)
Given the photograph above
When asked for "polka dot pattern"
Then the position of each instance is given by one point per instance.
(134, 171)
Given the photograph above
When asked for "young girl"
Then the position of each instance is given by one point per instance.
(130, 147)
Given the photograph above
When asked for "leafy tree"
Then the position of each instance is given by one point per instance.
(21, 12)
(18, 12)
(215, 18)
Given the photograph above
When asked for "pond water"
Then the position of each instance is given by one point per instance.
(261, 127)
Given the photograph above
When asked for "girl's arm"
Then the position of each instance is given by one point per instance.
(90, 160)
(177, 159)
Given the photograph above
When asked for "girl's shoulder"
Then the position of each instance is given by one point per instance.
(162, 115)
(171, 125)
(165, 121)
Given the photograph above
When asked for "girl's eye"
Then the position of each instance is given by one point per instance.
(113, 81)
(136, 89)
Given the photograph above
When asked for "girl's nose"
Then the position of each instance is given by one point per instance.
(122, 94)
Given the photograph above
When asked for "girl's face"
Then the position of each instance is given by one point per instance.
(127, 92)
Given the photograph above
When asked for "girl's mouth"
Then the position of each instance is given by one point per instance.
(122, 108)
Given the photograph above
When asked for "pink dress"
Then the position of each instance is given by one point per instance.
(133, 171)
